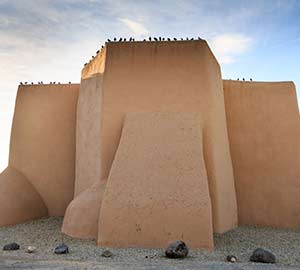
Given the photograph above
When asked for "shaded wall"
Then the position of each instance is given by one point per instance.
(88, 133)
(42, 144)
(264, 132)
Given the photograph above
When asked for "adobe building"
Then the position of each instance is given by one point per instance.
(153, 146)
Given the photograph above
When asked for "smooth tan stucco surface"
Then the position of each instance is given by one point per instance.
(88, 133)
(157, 190)
(19, 201)
(171, 77)
(42, 144)
(264, 131)
(81, 218)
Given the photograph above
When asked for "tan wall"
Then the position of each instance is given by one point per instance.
(171, 77)
(264, 132)
(43, 142)
(88, 133)
(157, 190)
(19, 201)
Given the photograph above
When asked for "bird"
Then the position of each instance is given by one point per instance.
(175, 39)
(115, 39)
(120, 40)
(21, 83)
(251, 79)
(58, 82)
(85, 64)
(243, 79)
(102, 47)
(69, 82)
(149, 38)
(199, 38)
(144, 40)
(187, 38)
(97, 52)
(181, 39)
(159, 38)
(124, 39)
(169, 39)
(42, 82)
(93, 56)
(108, 40)
(25, 83)
(238, 79)
(163, 39)
(192, 39)
(31, 82)
(155, 39)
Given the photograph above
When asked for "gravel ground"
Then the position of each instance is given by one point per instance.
(84, 254)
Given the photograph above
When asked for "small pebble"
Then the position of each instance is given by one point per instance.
(31, 249)
(262, 256)
(231, 258)
(177, 250)
(107, 254)
(61, 249)
(11, 246)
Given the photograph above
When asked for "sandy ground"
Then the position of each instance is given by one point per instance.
(84, 254)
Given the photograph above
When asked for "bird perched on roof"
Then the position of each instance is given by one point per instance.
(155, 39)
(169, 39)
(21, 83)
(199, 38)
(243, 79)
(187, 38)
(181, 38)
(144, 39)
(251, 79)
(120, 40)
(175, 39)
(102, 47)
(108, 40)
(69, 82)
(159, 38)
(25, 82)
(149, 38)
(115, 39)
(31, 82)
(192, 39)
(97, 51)
(238, 79)
(163, 39)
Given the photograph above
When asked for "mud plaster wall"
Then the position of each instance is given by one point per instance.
(42, 144)
(157, 190)
(88, 133)
(264, 131)
(171, 77)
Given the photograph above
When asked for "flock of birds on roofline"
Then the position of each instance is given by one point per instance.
(32, 83)
(131, 39)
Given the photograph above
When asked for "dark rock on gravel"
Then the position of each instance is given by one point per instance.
(177, 250)
(107, 254)
(262, 256)
(11, 246)
(61, 249)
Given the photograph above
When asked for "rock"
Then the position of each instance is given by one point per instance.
(11, 246)
(107, 254)
(262, 256)
(31, 249)
(231, 258)
(61, 249)
(177, 250)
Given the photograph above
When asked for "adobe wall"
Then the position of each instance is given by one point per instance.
(42, 144)
(264, 132)
(88, 133)
(171, 77)
(157, 190)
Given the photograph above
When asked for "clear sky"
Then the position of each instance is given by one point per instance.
(50, 40)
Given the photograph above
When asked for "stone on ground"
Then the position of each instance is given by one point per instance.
(11, 246)
(177, 250)
(262, 256)
(61, 249)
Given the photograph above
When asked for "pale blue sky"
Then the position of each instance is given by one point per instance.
(43, 40)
